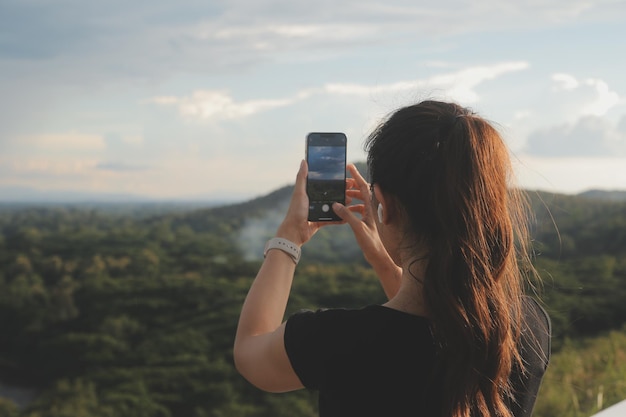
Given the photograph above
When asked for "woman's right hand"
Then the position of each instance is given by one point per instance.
(366, 231)
(364, 227)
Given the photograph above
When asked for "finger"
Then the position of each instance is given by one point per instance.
(367, 215)
(301, 177)
(346, 215)
(360, 208)
(360, 182)
(350, 183)
(356, 194)
(356, 175)
(357, 209)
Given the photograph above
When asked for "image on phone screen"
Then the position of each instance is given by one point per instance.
(326, 158)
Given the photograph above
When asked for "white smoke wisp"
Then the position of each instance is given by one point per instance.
(256, 231)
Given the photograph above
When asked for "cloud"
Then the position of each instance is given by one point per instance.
(81, 42)
(44, 167)
(593, 95)
(587, 107)
(588, 136)
(326, 162)
(571, 174)
(269, 24)
(61, 142)
(564, 82)
(622, 125)
(220, 105)
(605, 99)
(459, 84)
(277, 36)
(116, 166)
(204, 105)
(76, 66)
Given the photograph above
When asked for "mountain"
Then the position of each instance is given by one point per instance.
(573, 225)
(250, 224)
(612, 195)
(565, 225)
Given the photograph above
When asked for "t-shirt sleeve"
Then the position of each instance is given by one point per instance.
(537, 337)
(535, 350)
(311, 337)
(301, 343)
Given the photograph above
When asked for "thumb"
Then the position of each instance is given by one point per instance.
(301, 177)
(346, 215)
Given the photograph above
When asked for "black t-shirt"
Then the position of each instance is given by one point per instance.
(377, 361)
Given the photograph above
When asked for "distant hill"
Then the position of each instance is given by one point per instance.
(124, 313)
(575, 225)
(578, 243)
(566, 225)
(234, 215)
(252, 222)
(613, 195)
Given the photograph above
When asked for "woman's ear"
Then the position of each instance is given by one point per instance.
(385, 207)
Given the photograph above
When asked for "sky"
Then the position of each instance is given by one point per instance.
(211, 99)
(326, 163)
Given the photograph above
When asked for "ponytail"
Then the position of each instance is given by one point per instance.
(450, 171)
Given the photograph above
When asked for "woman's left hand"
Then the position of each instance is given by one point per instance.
(295, 226)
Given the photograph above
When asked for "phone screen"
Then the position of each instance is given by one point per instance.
(326, 181)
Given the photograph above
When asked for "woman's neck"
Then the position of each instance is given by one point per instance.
(410, 296)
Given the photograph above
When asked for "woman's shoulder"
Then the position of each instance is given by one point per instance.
(357, 324)
(535, 314)
(368, 312)
(536, 332)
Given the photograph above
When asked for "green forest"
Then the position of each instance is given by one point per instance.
(115, 312)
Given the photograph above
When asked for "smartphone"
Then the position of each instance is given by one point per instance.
(326, 180)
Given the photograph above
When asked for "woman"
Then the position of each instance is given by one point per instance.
(444, 230)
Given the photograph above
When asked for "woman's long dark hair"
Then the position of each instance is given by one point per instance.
(450, 172)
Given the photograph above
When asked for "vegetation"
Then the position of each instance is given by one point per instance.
(109, 313)
(584, 377)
